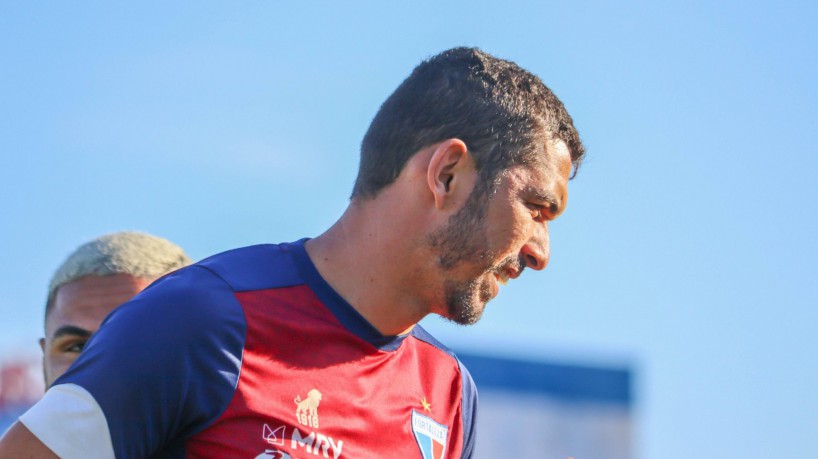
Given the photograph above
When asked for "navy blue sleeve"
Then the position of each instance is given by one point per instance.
(164, 365)
(469, 410)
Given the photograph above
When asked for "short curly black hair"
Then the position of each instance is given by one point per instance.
(503, 113)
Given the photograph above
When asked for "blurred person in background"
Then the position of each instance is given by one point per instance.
(96, 278)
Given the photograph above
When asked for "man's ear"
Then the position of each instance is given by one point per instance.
(449, 165)
(42, 344)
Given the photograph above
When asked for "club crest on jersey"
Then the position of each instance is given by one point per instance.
(430, 435)
(306, 411)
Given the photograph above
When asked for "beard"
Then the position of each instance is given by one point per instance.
(465, 301)
(464, 239)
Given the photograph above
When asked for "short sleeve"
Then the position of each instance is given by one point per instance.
(164, 365)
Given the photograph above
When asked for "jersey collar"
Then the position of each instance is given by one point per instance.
(340, 308)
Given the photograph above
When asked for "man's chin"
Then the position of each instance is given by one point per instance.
(465, 303)
(464, 320)
(466, 314)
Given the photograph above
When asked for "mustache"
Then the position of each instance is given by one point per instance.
(514, 263)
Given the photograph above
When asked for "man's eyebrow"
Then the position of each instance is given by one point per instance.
(71, 330)
(554, 203)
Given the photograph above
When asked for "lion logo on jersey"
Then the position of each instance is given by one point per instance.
(307, 409)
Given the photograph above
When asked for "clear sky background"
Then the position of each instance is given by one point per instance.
(687, 251)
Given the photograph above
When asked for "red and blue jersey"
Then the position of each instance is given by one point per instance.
(251, 354)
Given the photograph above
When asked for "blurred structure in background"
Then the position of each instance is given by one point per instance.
(547, 410)
(21, 384)
(527, 409)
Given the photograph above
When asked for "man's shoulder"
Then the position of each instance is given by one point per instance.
(257, 267)
(445, 353)
(421, 334)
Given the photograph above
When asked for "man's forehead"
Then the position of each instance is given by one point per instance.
(555, 154)
(87, 300)
(545, 178)
(553, 162)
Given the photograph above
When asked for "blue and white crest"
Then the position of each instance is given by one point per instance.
(430, 435)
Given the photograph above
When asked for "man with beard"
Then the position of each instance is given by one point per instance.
(313, 347)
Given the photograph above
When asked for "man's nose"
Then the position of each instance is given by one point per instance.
(537, 250)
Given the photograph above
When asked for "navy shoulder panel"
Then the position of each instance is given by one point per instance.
(421, 334)
(469, 410)
(257, 267)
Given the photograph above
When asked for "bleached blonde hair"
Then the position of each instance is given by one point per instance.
(126, 252)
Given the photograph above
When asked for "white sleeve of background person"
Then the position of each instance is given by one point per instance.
(70, 423)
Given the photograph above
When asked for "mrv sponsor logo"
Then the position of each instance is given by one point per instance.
(311, 441)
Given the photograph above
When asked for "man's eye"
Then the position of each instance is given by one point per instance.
(537, 212)
(75, 347)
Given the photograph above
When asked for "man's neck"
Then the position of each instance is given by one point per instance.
(368, 260)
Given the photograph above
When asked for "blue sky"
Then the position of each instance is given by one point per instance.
(687, 251)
